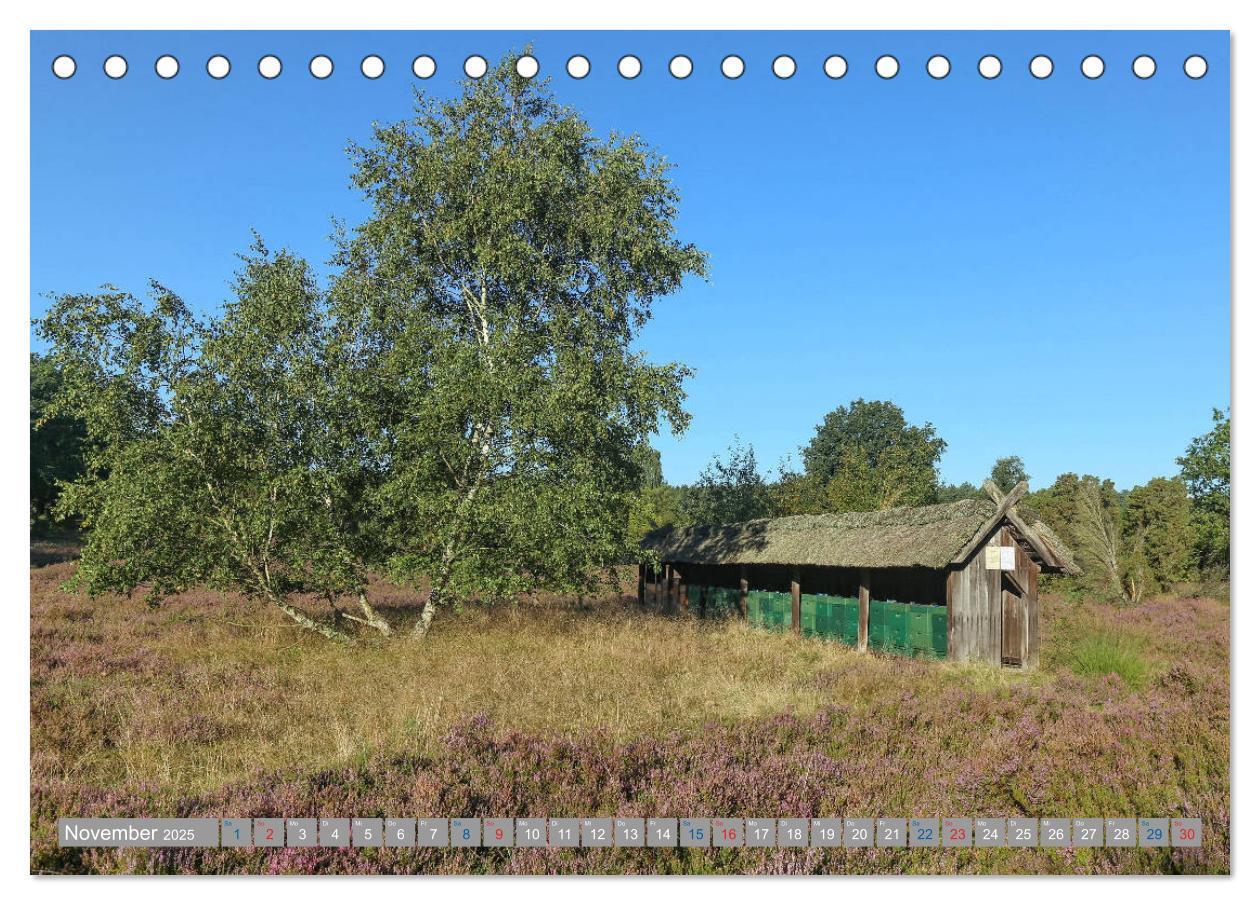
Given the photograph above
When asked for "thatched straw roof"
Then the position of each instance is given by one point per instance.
(929, 536)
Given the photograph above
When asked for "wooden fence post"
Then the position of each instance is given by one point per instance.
(796, 600)
(864, 608)
(743, 591)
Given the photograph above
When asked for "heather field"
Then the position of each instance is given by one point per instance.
(209, 706)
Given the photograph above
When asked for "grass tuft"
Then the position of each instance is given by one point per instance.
(1105, 653)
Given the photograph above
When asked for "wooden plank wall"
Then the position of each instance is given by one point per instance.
(975, 609)
(974, 602)
(1026, 576)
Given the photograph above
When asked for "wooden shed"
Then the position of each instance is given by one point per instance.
(955, 580)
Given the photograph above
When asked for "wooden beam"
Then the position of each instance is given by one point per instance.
(796, 601)
(743, 591)
(642, 583)
(864, 609)
(1034, 540)
(1003, 509)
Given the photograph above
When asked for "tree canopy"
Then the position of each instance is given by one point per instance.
(57, 441)
(867, 456)
(1205, 470)
(461, 409)
(487, 306)
(730, 489)
(1008, 471)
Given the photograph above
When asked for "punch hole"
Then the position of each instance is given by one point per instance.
(270, 67)
(166, 66)
(1144, 66)
(990, 66)
(938, 66)
(372, 66)
(680, 66)
(1092, 67)
(218, 66)
(783, 66)
(887, 67)
(578, 67)
(527, 67)
(835, 66)
(476, 66)
(321, 66)
(1195, 66)
(732, 66)
(115, 66)
(64, 66)
(629, 66)
(1041, 66)
(423, 66)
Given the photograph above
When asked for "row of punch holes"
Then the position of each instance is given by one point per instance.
(630, 66)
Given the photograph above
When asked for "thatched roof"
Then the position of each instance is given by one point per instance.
(928, 536)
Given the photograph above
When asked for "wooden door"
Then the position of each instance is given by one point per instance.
(1012, 626)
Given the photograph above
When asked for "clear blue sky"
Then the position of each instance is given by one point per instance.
(1036, 267)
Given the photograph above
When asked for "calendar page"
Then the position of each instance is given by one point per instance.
(595, 452)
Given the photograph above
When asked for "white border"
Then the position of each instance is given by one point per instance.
(652, 14)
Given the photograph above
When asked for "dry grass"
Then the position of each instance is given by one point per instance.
(207, 689)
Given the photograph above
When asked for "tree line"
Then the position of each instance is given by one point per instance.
(866, 456)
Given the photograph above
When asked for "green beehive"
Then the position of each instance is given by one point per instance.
(920, 619)
(897, 627)
(828, 623)
(940, 632)
(812, 616)
(722, 602)
(849, 617)
(928, 631)
(781, 611)
(876, 627)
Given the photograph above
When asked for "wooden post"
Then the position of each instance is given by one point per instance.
(667, 602)
(864, 608)
(684, 598)
(642, 583)
(743, 591)
(796, 600)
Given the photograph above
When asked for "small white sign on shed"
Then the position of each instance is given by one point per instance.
(1002, 558)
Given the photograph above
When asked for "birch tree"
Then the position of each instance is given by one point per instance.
(209, 459)
(487, 308)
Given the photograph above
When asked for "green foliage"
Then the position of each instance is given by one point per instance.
(1109, 653)
(1205, 470)
(867, 457)
(1128, 544)
(657, 503)
(952, 493)
(208, 461)
(1158, 538)
(486, 311)
(1008, 471)
(729, 490)
(57, 441)
(794, 493)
